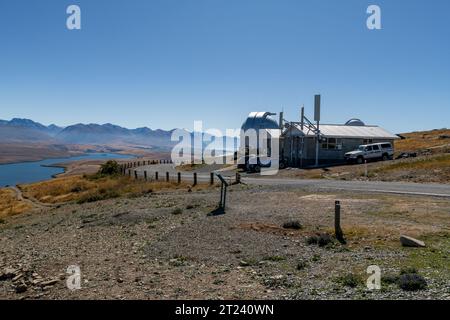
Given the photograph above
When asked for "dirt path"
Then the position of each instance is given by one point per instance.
(34, 202)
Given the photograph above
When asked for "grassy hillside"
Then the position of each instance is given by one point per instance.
(434, 141)
(10, 205)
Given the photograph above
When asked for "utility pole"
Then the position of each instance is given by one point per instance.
(317, 119)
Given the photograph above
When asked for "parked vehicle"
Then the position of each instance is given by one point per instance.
(375, 151)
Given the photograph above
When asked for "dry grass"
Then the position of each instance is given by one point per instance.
(9, 205)
(89, 189)
(436, 162)
(418, 141)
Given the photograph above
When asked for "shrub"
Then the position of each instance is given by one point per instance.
(301, 265)
(98, 196)
(76, 189)
(412, 282)
(177, 211)
(350, 280)
(110, 168)
(274, 258)
(296, 225)
(321, 239)
(389, 279)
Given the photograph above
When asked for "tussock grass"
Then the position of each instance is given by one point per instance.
(94, 188)
(434, 162)
(9, 205)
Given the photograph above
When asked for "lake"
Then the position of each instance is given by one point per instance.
(27, 172)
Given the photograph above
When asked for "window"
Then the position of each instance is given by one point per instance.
(376, 148)
(369, 148)
(386, 146)
(332, 144)
(367, 141)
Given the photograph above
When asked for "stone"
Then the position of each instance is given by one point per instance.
(244, 263)
(20, 288)
(411, 242)
(8, 273)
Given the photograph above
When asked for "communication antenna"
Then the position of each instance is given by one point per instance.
(317, 119)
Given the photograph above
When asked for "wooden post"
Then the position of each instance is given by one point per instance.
(238, 177)
(179, 177)
(135, 174)
(337, 222)
(129, 172)
(145, 175)
(365, 168)
(139, 163)
(167, 177)
(211, 178)
(195, 178)
(156, 175)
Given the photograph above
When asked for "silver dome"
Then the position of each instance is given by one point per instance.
(260, 120)
(355, 122)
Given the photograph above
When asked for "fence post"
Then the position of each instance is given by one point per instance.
(145, 175)
(179, 177)
(167, 177)
(238, 177)
(156, 175)
(337, 222)
(195, 178)
(129, 172)
(135, 174)
(211, 178)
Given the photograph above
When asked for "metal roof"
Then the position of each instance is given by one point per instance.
(345, 131)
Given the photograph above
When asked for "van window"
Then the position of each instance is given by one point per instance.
(369, 148)
(376, 147)
(386, 146)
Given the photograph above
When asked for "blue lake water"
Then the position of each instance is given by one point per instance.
(27, 172)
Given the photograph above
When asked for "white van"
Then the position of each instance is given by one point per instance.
(375, 151)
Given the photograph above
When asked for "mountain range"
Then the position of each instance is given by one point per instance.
(26, 131)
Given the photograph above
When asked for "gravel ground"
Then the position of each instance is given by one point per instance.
(143, 248)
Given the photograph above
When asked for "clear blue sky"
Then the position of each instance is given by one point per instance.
(166, 63)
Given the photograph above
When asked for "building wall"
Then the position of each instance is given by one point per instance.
(308, 156)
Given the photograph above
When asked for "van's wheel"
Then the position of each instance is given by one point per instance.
(282, 165)
(257, 169)
(359, 160)
(385, 157)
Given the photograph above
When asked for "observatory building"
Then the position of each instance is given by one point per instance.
(298, 142)
(305, 144)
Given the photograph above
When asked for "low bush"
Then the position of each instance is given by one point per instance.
(110, 168)
(301, 264)
(320, 239)
(350, 280)
(412, 282)
(177, 211)
(295, 224)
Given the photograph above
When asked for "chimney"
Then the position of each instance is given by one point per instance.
(281, 120)
(302, 120)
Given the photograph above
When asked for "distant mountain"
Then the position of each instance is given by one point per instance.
(25, 130)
